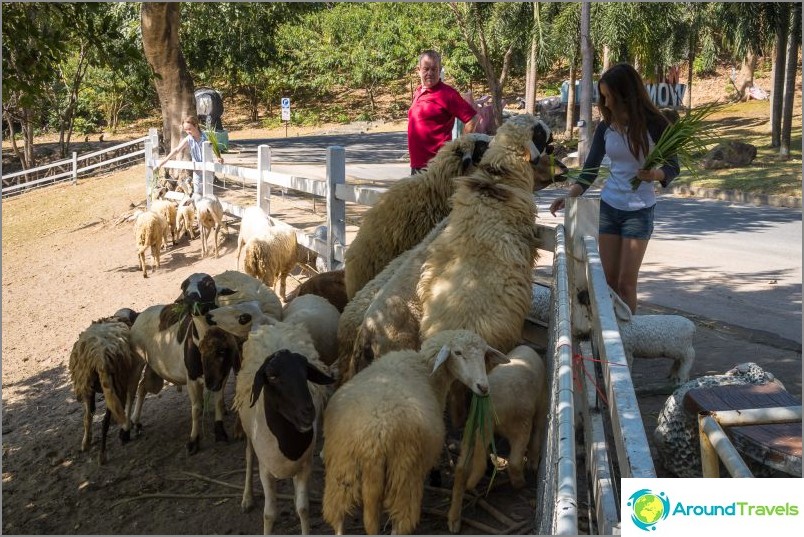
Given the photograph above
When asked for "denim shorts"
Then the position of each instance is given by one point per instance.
(627, 224)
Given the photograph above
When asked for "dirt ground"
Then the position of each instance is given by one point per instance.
(57, 278)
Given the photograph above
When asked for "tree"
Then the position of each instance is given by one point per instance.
(160, 23)
(781, 31)
(792, 69)
(493, 32)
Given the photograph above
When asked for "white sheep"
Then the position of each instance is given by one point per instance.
(246, 288)
(321, 318)
(676, 435)
(209, 212)
(167, 209)
(185, 218)
(102, 361)
(279, 397)
(254, 223)
(519, 397)
(408, 210)
(271, 257)
(149, 232)
(384, 429)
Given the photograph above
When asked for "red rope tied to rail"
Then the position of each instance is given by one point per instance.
(578, 365)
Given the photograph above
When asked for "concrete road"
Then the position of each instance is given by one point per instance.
(731, 263)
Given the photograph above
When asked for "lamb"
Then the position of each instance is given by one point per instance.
(271, 257)
(281, 368)
(185, 218)
(491, 231)
(209, 212)
(254, 223)
(519, 396)
(676, 435)
(321, 318)
(102, 361)
(168, 337)
(408, 210)
(651, 336)
(167, 209)
(149, 232)
(329, 285)
(380, 443)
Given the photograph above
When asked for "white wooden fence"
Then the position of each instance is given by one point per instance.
(17, 182)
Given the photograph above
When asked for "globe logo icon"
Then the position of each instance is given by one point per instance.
(648, 508)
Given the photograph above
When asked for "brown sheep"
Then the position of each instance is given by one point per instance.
(329, 285)
(149, 232)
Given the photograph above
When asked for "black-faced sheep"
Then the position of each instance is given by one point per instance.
(167, 210)
(168, 338)
(329, 285)
(676, 435)
(149, 232)
(102, 361)
(209, 212)
(254, 223)
(384, 429)
(408, 210)
(519, 396)
(279, 398)
(271, 257)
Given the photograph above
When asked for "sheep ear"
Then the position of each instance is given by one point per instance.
(443, 354)
(316, 376)
(621, 309)
(259, 383)
(466, 161)
(495, 358)
(535, 155)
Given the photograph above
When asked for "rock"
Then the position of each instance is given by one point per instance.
(729, 155)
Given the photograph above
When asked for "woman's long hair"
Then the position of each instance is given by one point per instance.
(630, 96)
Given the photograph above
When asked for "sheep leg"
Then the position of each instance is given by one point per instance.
(269, 511)
(220, 432)
(248, 496)
(300, 481)
(89, 411)
(107, 418)
(465, 479)
(408, 513)
(282, 285)
(195, 390)
(141, 258)
(680, 371)
(516, 460)
(217, 230)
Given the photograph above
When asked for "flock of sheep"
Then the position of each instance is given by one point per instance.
(427, 311)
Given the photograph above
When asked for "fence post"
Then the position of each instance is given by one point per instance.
(207, 176)
(153, 135)
(336, 209)
(263, 188)
(580, 219)
(75, 167)
(149, 173)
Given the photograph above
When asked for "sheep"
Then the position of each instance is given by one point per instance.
(384, 431)
(408, 210)
(308, 258)
(329, 285)
(321, 318)
(281, 368)
(477, 274)
(102, 361)
(519, 396)
(167, 209)
(168, 337)
(246, 288)
(149, 231)
(676, 435)
(254, 223)
(271, 257)
(185, 218)
(650, 336)
(209, 212)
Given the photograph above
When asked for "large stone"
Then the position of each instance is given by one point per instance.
(729, 155)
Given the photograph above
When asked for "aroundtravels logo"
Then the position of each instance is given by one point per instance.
(648, 508)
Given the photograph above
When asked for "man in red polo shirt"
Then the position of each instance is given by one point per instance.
(432, 113)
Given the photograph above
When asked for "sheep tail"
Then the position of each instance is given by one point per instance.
(373, 486)
(112, 386)
(341, 487)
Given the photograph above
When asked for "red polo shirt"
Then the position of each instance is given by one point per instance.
(430, 120)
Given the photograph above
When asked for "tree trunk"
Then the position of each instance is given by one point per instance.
(67, 119)
(747, 75)
(777, 88)
(160, 23)
(530, 80)
(28, 136)
(606, 57)
(587, 58)
(690, 71)
(570, 101)
(792, 70)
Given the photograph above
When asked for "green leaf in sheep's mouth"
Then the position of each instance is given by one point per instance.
(479, 426)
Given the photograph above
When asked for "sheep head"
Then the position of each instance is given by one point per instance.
(467, 356)
(219, 354)
(289, 409)
(239, 319)
(199, 291)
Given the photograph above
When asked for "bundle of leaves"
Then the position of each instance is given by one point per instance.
(479, 426)
(685, 139)
(212, 136)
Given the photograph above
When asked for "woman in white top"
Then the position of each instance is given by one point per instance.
(630, 128)
(194, 140)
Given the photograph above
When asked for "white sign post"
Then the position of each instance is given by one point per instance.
(286, 113)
